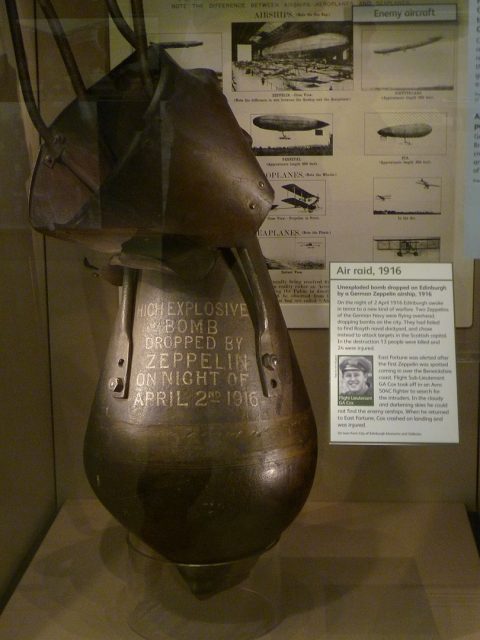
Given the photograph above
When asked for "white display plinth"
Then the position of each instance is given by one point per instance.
(349, 571)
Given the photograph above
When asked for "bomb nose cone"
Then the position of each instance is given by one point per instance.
(206, 580)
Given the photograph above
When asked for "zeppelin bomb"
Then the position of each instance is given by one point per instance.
(201, 439)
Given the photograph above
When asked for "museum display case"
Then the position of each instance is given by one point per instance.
(192, 309)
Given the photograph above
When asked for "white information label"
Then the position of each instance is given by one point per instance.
(392, 348)
(405, 13)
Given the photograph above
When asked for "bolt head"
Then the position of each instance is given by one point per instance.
(115, 384)
(270, 361)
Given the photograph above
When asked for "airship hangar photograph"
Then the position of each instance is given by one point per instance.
(276, 134)
(406, 249)
(400, 133)
(415, 56)
(292, 56)
(407, 196)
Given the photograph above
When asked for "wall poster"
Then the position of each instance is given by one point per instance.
(472, 181)
(356, 115)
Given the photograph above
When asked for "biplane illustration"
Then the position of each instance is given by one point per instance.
(414, 196)
(425, 184)
(408, 246)
(300, 198)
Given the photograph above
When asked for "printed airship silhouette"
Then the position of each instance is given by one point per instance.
(406, 47)
(311, 44)
(413, 130)
(285, 123)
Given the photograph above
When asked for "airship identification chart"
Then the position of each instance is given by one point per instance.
(354, 115)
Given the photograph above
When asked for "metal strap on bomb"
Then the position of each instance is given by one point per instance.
(98, 195)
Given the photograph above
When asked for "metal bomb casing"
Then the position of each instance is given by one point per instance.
(138, 164)
(201, 439)
(196, 459)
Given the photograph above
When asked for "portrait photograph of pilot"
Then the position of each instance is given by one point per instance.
(355, 380)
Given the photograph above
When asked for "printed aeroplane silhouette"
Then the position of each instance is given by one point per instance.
(406, 47)
(407, 247)
(285, 123)
(413, 246)
(302, 198)
(425, 184)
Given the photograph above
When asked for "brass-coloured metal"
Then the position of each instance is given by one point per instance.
(198, 461)
(176, 163)
(201, 439)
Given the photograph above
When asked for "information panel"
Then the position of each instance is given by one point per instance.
(472, 172)
(356, 116)
(392, 354)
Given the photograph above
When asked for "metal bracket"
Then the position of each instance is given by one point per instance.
(118, 382)
(267, 360)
